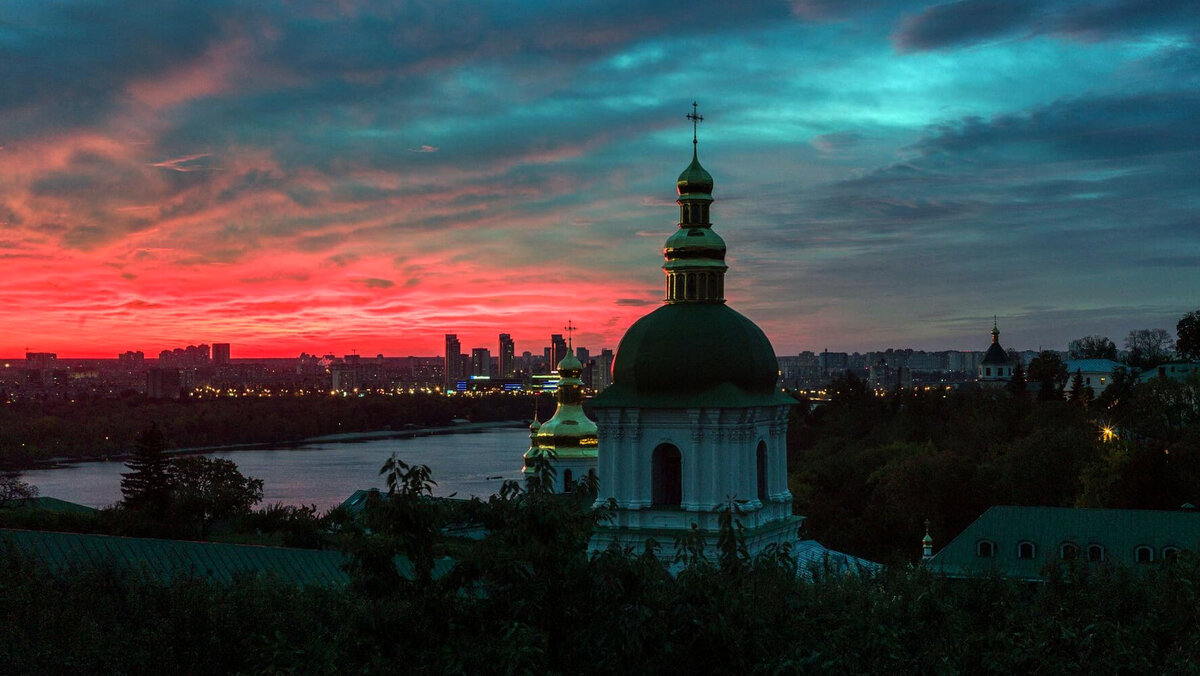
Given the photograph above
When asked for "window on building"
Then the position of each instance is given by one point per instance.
(1169, 553)
(666, 476)
(568, 481)
(1143, 554)
(761, 457)
(1026, 550)
(985, 549)
(1096, 553)
(987, 371)
(1103, 380)
(1069, 551)
(1087, 381)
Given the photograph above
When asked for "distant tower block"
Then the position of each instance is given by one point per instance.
(220, 353)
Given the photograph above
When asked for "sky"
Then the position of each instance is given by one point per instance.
(346, 176)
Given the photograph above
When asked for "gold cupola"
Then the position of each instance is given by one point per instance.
(569, 432)
(694, 255)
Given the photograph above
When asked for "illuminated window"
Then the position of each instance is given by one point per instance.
(985, 549)
(1069, 551)
(1096, 553)
(1026, 550)
(1143, 554)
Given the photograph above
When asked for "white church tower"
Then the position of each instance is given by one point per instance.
(694, 418)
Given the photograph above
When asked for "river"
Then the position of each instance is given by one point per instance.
(325, 473)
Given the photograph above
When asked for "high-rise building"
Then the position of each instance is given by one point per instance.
(454, 360)
(220, 353)
(481, 361)
(602, 370)
(508, 366)
(558, 349)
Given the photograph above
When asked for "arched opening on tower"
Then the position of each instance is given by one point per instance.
(762, 470)
(666, 477)
(568, 481)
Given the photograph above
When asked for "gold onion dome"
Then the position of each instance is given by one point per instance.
(569, 432)
(695, 179)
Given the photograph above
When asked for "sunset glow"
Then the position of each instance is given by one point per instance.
(365, 176)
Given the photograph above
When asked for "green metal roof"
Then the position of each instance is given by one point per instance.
(1119, 531)
(46, 504)
(689, 355)
(167, 559)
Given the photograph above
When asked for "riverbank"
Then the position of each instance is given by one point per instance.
(343, 437)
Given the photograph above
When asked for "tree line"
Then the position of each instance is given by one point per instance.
(528, 598)
(35, 431)
(868, 471)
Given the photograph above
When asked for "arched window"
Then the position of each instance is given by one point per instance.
(1069, 551)
(1169, 553)
(568, 482)
(1143, 554)
(762, 470)
(1096, 553)
(1026, 550)
(666, 477)
(689, 287)
(985, 549)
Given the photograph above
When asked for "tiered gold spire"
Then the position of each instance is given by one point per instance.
(695, 255)
(569, 432)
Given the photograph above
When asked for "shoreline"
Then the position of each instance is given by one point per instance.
(341, 437)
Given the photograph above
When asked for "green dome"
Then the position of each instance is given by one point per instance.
(694, 179)
(693, 354)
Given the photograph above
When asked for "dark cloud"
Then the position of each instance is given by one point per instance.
(634, 302)
(1101, 128)
(966, 22)
(962, 22)
(377, 283)
(68, 60)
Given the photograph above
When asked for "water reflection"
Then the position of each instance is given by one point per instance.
(326, 474)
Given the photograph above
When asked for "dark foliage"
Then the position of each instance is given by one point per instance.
(1187, 334)
(867, 471)
(146, 485)
(31, 431)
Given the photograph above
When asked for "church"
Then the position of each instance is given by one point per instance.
(694, 421)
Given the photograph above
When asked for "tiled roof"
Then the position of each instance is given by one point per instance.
(1092, 365)
(47, 504)
(166, 559)
(1119, 531)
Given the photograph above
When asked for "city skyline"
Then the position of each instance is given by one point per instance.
(366, 178)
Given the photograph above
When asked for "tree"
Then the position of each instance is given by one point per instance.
(1016, 384)
(1149, 347)
(1187, 331)
(12, 488)
(1092, 347)
(206, 489)
(147, 485)
(1080, 394)
(1048, 369)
